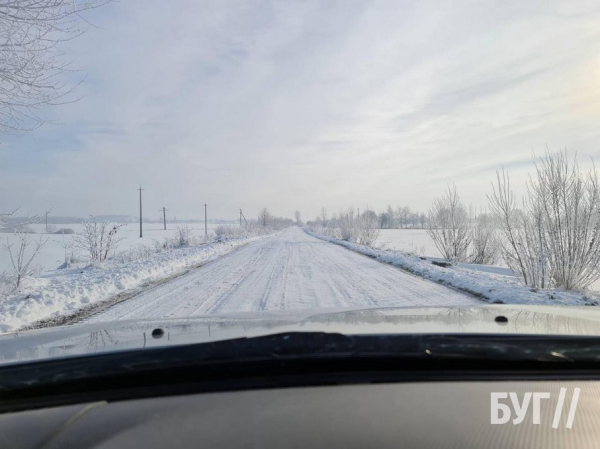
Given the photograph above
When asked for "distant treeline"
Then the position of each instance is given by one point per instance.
(398, 218)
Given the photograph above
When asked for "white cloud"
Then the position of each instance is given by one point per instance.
(298, 105)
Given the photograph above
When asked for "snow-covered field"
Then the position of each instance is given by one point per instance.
(52, 254)
(414, 241)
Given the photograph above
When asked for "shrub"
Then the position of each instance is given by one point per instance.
(449, 226)
(22, 256)
(554, 240)
(98, 240)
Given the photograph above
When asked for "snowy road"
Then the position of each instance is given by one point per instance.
(290, 270)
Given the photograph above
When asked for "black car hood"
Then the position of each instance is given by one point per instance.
(82, 339)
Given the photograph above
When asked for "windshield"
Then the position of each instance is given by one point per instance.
(363, 167)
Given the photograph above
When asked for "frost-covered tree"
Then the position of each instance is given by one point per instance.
(7, 222)
(523, 242)
(98, 239)
(392, 219)
(68, 246)
(298, 218)
(405, 213)
(400, 217)
(554, 240)
(346, 224)
(323, 216)
(4, 219)
(485, 244)
(22, 252)
(264, 217)
(569, 204)
(268, 221)
(385, 220)
(367, 228)
(449, 226)
(31, 63)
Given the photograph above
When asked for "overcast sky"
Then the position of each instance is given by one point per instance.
(299, 105)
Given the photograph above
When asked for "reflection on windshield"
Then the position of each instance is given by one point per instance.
(106, 337)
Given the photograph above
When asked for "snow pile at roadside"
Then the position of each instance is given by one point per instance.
(490, 287)
(60, 292)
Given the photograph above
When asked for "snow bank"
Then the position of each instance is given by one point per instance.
(489, 286)
(60, 292)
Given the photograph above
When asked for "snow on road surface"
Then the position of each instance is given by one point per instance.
(290, 270)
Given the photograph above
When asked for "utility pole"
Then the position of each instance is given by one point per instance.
(140, 189)
(164, 211)
(205, 222)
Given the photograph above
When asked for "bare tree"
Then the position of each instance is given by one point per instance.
(298, 218)
(554, 241)
(569, 204)
(4, 217)
(523, 242)
(368, 228)
(385, 220)
(323, 216)
(68, 245)
(18, 224)
(405, 216)
(22, 257)
(264, 217)
(275, 222)
(332, 227)
(485, 244)
(31, 62)
(398, 214)
(392, 218)
(98, 239)
(347, 225)
(449, 226)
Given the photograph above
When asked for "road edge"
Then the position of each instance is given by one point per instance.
(90, 310)
(370, 253)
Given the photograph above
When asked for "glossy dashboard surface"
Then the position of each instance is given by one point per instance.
(436, 414)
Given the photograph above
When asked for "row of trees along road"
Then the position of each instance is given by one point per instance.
(550, 237)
